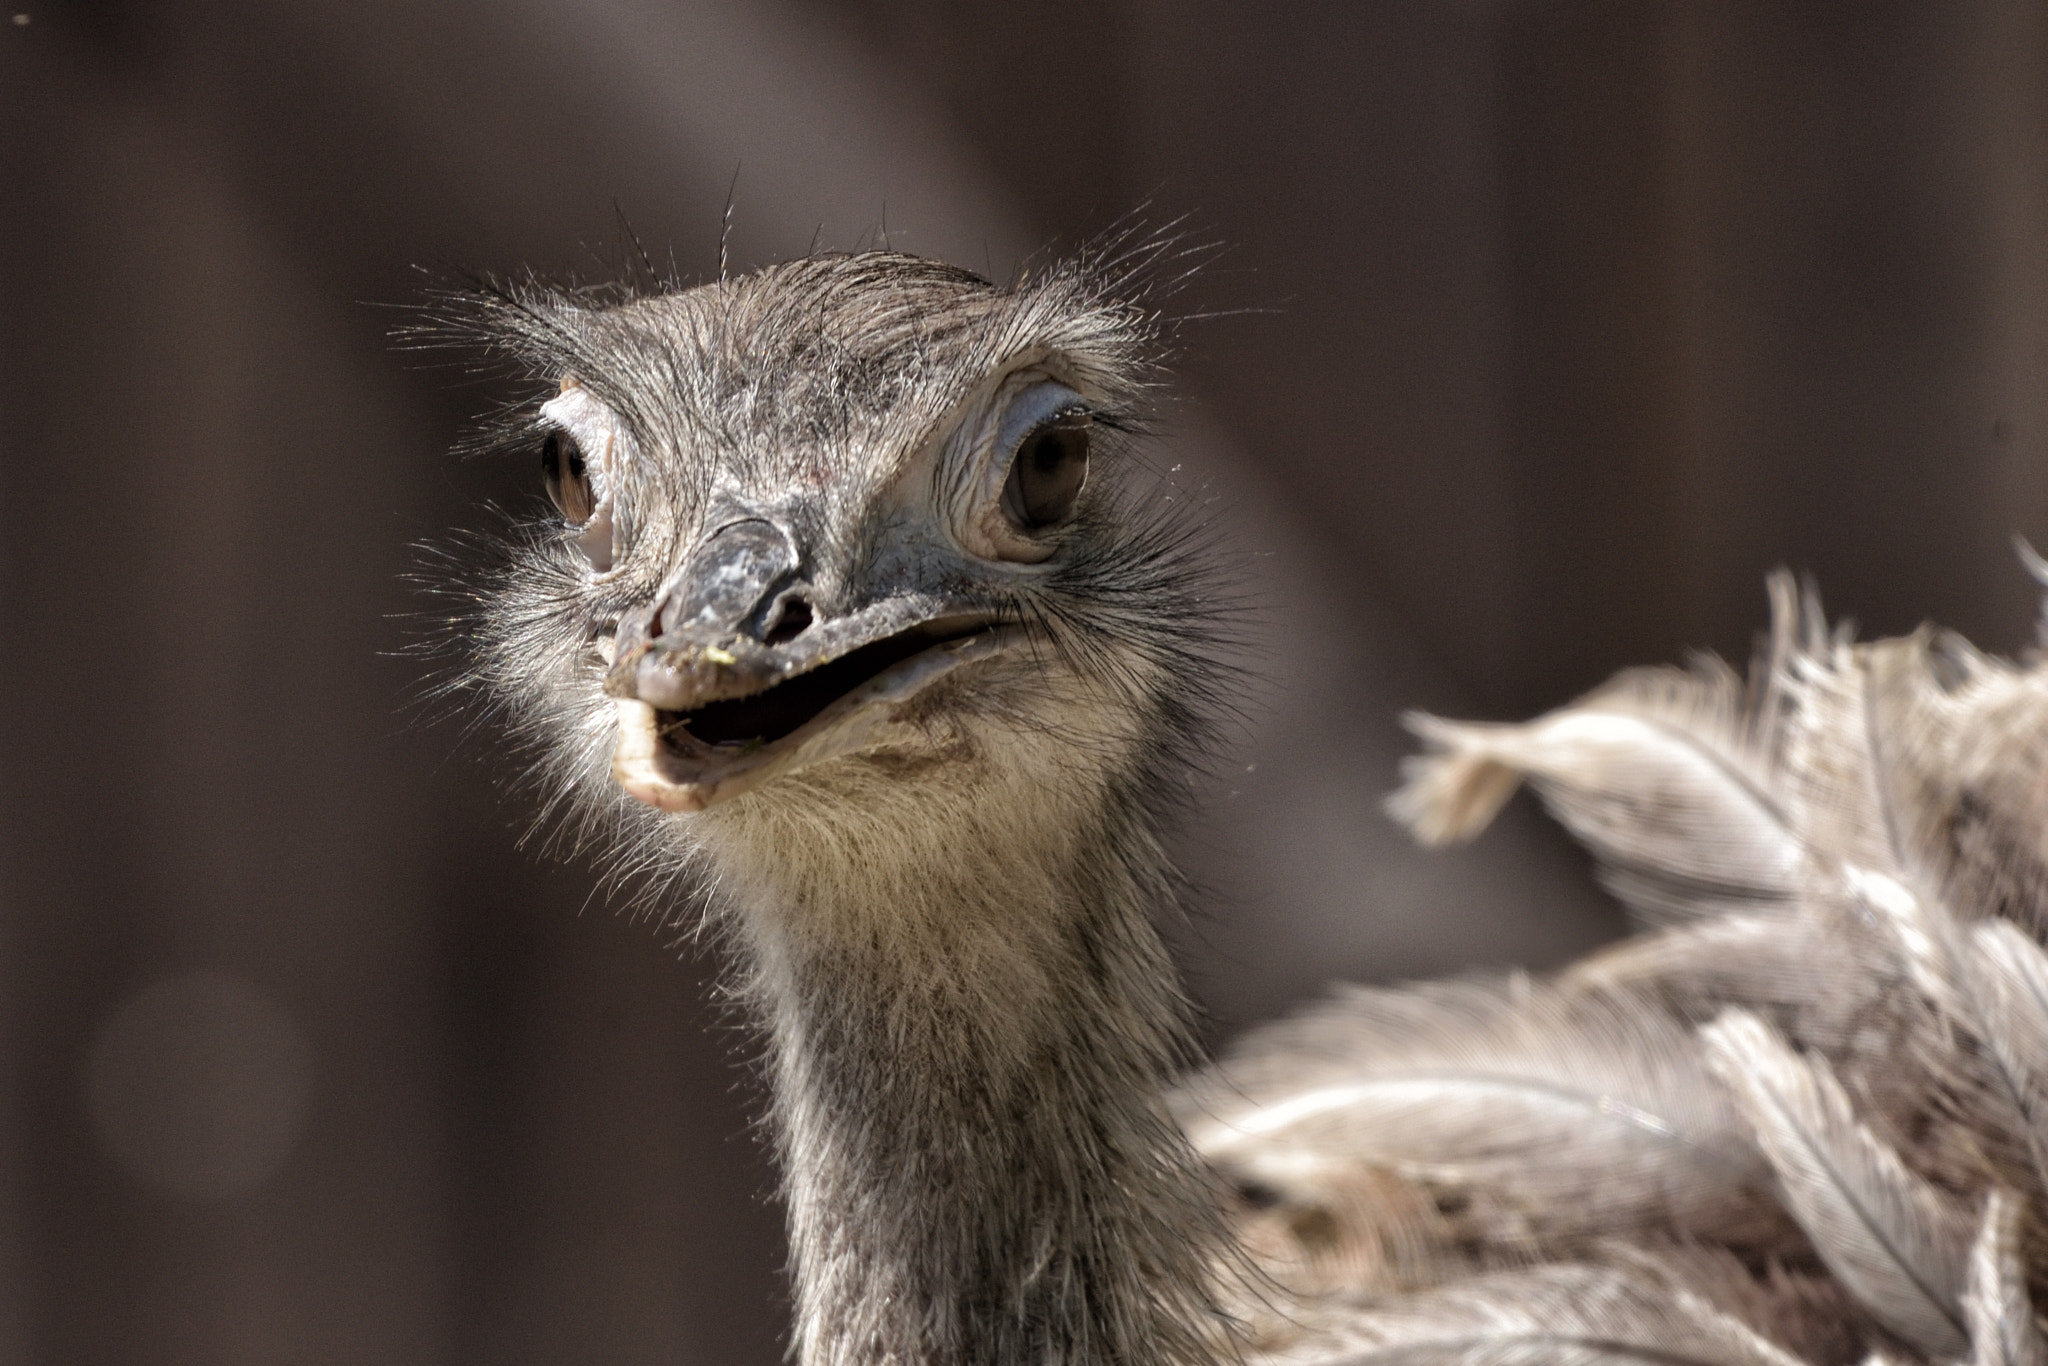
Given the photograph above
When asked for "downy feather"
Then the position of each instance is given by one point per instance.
(1701, 797)
(1801, 1309)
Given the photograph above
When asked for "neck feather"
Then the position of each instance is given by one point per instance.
(971, 1024)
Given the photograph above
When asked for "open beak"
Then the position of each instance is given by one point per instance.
(729, 677)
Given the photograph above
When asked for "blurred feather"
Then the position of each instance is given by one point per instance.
(1803, 1310)
(2001, 1317)
(1555, 1316)
(1654, 772)
(1965, 737)
(1992, 1086)
(1701, 796)
(2013, 973)
(1825, 976)
(1848, 856)
(1893, 1239)
(1522, 1121)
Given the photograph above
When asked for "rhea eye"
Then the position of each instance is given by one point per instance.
(568, 481)
(1048, 472)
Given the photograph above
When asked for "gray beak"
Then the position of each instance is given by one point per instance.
(726, 624)
(737, 668)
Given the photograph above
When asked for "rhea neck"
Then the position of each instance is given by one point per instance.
(971, 1022)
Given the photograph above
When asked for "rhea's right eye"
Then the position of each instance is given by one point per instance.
(568, 481)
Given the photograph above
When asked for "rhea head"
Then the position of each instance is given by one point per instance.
(849, 539)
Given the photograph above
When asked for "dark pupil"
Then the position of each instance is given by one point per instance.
(1047, 475)
(561, 469)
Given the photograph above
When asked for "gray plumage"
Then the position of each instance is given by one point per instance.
(862, 633)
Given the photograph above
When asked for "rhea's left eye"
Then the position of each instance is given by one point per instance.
(563, 470)
(1048, 472)
(582, 454)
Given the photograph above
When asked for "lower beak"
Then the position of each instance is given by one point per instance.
(686, 759)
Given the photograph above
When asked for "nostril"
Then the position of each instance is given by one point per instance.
(791, 619)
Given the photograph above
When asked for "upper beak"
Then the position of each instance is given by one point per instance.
(737, 670)
(706, 633)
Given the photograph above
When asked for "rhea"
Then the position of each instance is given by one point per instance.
(851, 600)
(858, 621)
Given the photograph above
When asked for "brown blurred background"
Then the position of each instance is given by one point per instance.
(1546, 330)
